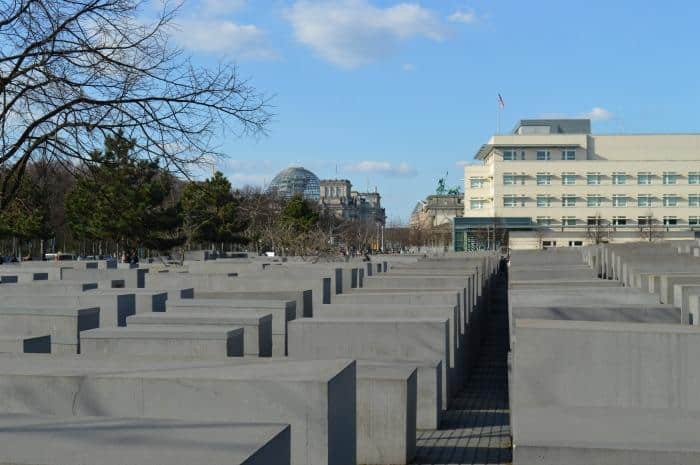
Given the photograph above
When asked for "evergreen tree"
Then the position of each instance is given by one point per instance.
(211, 212)
(299, 215)
(118, 197)
(26, 217)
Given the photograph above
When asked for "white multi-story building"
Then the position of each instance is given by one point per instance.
(553, 183)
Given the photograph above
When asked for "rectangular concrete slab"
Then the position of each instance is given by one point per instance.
(257, 326)
(418, 339)
(317, 398)
(46, 440)
(114, 308)
(171, 342)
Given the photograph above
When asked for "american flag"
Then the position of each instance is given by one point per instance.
(501, 103)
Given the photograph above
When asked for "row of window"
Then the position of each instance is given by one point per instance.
(591, 201)
(616, 221)
(541, 155)
(592, 179)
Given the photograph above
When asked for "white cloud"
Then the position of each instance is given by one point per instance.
(381, 167)
(408, 67)
(245, 41)
(352, 33)
(464, 17)
(598, 114)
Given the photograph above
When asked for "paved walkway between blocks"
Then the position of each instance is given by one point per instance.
(476, 430)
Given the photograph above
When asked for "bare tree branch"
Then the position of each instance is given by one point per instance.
(75, 71)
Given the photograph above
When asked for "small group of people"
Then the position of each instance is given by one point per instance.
(131, 257)
(9, 259)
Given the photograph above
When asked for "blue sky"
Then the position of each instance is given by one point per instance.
(394, 94)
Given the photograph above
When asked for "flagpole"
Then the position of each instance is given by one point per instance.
(498, 120)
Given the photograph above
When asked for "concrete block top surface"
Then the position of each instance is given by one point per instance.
(366, 320)
(385, 306)
(564, 325)
(162, 332)
(239, 369)
(99, 440)
(46, 310)
(229, 303)
(127, 290)
(199, 318)
(387, 371)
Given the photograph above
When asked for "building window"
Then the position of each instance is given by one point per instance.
(670, 221)
(644, 200)
(568, 201)
(670, 200)
(619, 178)
(694, 177)
(543, 155)
(670, 177)
(593, 179)
(644, 220)
(510, 201)
(544, 201)
(568, 178)
(619, 200)
(476, 183)
(544, 221)
(693, 220)
(644, 178)
(509, 155)
(544, 179)
(619, 221)
(593, 201)
(568, 154)
(694, 200)
(476, 204)
(568, 221)
(594, 221)
(508, 179)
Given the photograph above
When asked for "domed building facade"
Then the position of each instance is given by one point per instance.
(296, 180)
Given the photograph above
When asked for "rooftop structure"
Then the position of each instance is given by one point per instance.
(296, 180)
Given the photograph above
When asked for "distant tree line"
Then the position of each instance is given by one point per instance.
(114, 201)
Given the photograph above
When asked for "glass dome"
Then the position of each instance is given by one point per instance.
(296, 180)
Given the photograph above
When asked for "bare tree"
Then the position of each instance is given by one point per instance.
(649, 229)
(596, 231)
(73, 72)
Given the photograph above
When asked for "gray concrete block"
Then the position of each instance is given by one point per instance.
(50, 288)
(169, 342)
(429, 389)
(282, 313)
(606, 436)
(146, 300)
(386, 414)
(630, 376)
(257, 326)
(114, 308)
(32, 440)
(15, 344)
(132, 278)
(317, 398)
(414, 340)
(64, 325)
(456, 368)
